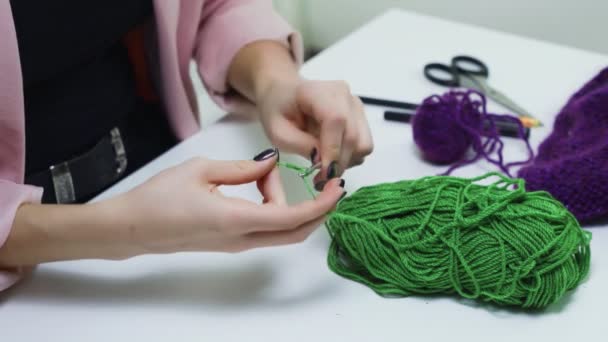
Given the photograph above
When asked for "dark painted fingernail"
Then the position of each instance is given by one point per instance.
(320, 185)
(266, 154)
(332, 170)
(313, 155)
(342, 182)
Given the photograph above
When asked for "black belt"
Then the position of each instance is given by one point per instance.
(80, 178)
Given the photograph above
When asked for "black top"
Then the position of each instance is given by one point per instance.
(78, 81)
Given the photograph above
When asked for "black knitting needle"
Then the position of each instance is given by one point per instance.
(505, 128)
(387, 103)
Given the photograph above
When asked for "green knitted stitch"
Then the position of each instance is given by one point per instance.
(448, 235)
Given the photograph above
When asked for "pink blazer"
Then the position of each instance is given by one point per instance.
(209, 31)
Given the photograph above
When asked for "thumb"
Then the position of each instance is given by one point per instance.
(232, 172)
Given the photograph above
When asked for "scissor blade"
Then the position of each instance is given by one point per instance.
(508, 103)
(480, 84)
(474, 82)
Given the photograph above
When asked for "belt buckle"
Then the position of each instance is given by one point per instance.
(63, 183)
(61, 174)
(119, 149)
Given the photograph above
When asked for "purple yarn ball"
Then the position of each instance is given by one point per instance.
(437, 131)
(447, 127)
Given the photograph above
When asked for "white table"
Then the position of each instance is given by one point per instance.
(288, 293)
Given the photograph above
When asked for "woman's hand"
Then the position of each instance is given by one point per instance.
(183, 209)
(320, 119)
(180, 209)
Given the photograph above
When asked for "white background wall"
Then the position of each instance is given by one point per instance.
(579, 23)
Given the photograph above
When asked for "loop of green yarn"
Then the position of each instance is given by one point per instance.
(448, 235)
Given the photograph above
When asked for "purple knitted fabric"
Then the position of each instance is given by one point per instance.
(572, 163)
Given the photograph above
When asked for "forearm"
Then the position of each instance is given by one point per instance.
(260, 65)
(45, 233)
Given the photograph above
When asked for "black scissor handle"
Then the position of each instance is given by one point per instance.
(470, 65)
(442, 74)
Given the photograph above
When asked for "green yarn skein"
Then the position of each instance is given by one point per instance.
(449, 235)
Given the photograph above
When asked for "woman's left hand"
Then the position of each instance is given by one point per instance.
(319, 119)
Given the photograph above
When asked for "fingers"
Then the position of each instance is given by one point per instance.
(364, 145)
(325, 103)
(272, 217)
(332, 134)
(344, 134)
(349, 144)
(333, 125)
(289, 137)
(271, 188)
(224, 172)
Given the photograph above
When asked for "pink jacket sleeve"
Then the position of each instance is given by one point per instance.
(13, 195)
(227, 26)
(12, 141)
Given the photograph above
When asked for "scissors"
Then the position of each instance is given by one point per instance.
(469, 72)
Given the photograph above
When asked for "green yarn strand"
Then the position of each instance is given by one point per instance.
(449, 235)
(303, 172)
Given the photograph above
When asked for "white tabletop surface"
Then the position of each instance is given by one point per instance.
(288, 293)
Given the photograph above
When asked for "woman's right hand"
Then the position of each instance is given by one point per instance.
(183, 209)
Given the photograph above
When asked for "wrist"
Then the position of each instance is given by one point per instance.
(268, 82)
(47, 233)
(116, 224)
(259, 66)
(130, 227)
(139, 230)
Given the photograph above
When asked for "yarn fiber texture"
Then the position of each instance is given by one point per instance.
(572, 163)
(448, 126)
(446, 235)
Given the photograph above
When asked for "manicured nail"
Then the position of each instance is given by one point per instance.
(320, 185)
(332, 170)
(266, 154)
(313, 155)
(342, 182)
